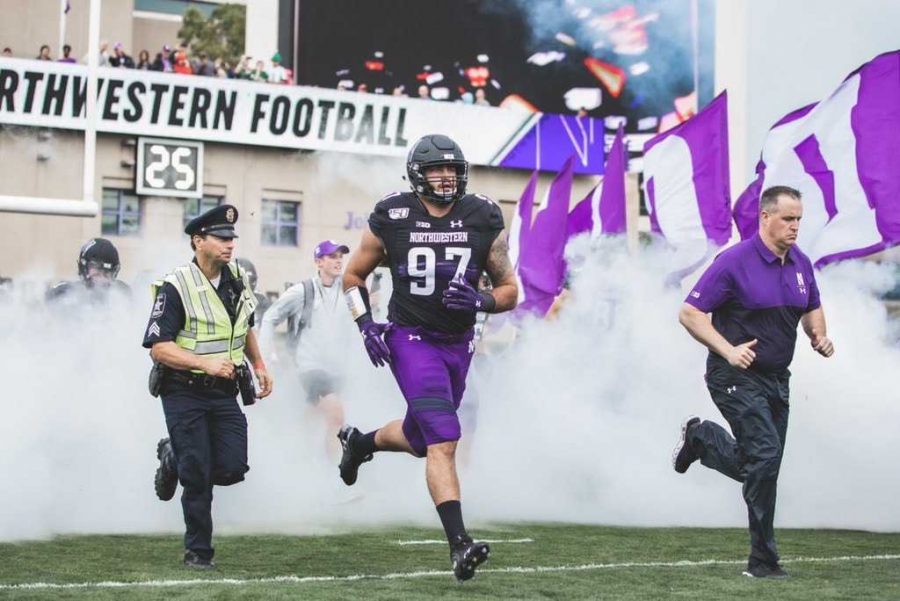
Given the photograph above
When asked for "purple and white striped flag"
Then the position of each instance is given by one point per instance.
(542, 264)
(520, 226)
(687, 186)
(602, 212)
(843, 155)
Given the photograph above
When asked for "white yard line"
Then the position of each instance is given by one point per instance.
(426, 574)
(435, 541)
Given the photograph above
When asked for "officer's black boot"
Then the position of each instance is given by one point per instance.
(352, 457)
(467, 555)
(166, 480)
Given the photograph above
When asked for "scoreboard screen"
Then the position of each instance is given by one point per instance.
(169, 168)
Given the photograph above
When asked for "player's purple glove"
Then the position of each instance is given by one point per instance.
(461, 296)
(371, 332)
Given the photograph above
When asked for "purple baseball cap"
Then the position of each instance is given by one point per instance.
(326, 247)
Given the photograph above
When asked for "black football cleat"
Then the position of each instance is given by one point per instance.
(351, 458)
(466, 555)
(764, 570)
(683, 455)
(166, 480)
(194, 561)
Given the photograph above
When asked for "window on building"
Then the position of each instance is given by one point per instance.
(280, 223)
(121, 213)
(193, 207)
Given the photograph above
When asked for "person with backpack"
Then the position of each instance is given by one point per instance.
(317, 315)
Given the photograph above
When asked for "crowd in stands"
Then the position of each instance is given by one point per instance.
(177, 60)
(472, 85)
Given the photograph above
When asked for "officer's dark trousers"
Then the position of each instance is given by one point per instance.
(209, 437)
(756, 407)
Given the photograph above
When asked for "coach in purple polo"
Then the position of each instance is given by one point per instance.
(757, 291)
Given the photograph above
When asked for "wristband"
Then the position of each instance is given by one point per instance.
(488, 302)
(358, 302)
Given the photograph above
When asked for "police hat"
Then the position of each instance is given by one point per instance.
(218, 221)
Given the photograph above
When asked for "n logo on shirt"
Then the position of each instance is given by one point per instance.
(800, 284)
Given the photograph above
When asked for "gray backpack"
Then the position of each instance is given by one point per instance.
(295, 325)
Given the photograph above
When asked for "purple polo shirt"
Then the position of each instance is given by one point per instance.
(751, 294)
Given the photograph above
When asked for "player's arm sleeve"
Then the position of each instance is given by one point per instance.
(379, 219)
(166, 318)
(713, 289)
(290, 303)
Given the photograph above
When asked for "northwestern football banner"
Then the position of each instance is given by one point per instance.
(687, 186)
(147, 103)
(843, 155)
(602, 211)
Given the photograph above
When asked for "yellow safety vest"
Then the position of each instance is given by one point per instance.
(207, 329)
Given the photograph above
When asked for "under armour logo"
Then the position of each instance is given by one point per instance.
(414, 337)
(471, 346)
(730, 389)
(456, 223)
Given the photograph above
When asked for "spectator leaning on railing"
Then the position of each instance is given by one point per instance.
(163, 61)
(144, 63)
(67, 55)
(120, 59)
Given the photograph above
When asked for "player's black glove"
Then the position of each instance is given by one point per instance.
(461, 296)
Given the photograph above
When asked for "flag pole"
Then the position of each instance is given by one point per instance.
(90, 122)
(62, 26)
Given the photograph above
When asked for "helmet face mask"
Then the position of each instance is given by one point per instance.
(435, 151)
(98, 261)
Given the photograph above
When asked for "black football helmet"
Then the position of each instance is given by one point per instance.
(431, 151)
(99, 254)
(249, 268)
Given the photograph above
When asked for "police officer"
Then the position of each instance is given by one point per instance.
(437, 240)
(757, 291)
(199, 333)
(98, 267)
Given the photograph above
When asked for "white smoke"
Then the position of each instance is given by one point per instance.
(575, 423)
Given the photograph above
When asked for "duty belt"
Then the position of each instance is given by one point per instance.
(202, 381)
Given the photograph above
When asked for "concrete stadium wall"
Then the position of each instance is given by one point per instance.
(336, 191)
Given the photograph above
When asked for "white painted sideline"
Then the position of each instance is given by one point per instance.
(434, 541)
(426, 573)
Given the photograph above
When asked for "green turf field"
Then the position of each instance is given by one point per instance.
(563, 562)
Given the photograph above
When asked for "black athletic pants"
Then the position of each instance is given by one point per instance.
(756, 407)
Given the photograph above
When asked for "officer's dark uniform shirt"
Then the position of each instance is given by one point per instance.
(426, 252)
(168, 316)
(752, 295)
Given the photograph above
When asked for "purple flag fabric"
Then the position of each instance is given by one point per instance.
(687, 179)
(520, 227)
(602, 211)
(542, 265)
(746, 207)
(843, 155)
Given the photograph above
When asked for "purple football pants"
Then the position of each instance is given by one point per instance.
(430, 368)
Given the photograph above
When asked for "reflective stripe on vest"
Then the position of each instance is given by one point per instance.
(207, 329)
